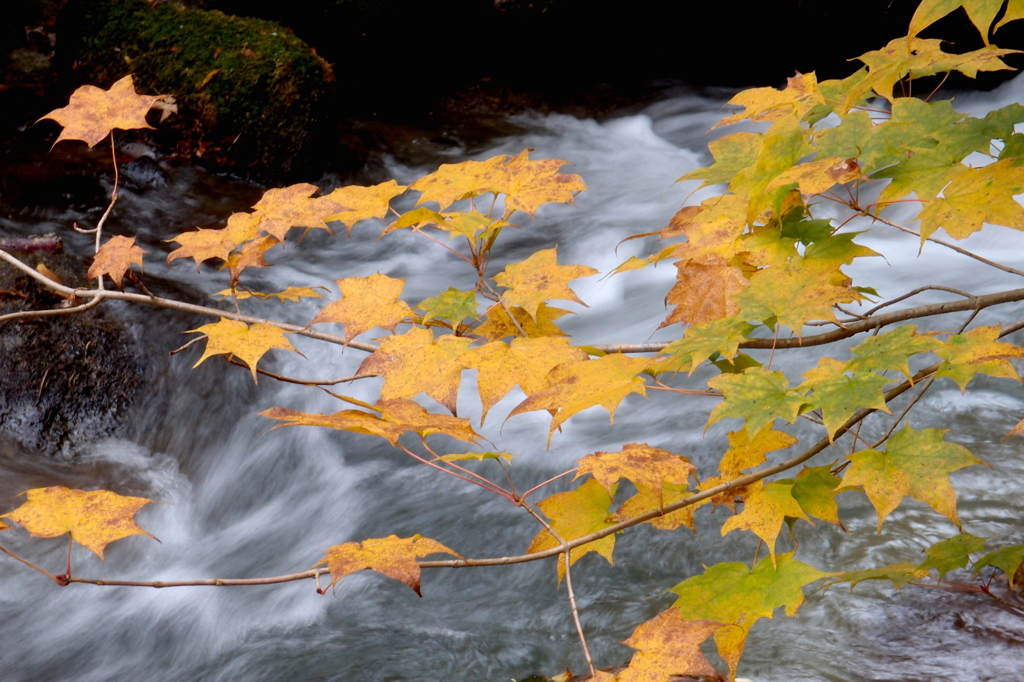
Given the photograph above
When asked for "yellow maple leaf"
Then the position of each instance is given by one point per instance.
(646, 500)
(202, 245)
(668, 648)
(395, 418)
(414, 363)
(974, 197)
(249, 344)
(93, 112)
(94, 518)
(817, 177)
(765, 507)
(284, 208)
(499, 325)
(574, 514)
(249, 255)
(577, 386)
(540, 278)
(393, 556)
(532, 183)
(368, 302)
(115, 258)
(525, 362)
(638, 462)
(349, 205)
(768, 104)
(454, 181)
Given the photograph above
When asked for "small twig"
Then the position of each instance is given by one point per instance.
(489, 486)
(31, 565)
(903, 414)
(541, 485)
(954, 247)
(53, 312)
(280, 377)
(576, 614)
(915, 292)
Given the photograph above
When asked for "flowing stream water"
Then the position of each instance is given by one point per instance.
(240, 502)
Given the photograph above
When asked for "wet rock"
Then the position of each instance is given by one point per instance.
(145, 173)
(250, 95)
(64, 380)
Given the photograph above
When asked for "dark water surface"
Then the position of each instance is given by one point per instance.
(242, 504)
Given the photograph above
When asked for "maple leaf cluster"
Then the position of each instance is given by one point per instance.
(757, 268)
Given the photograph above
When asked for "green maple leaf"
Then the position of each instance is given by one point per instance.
(815, 489)
(925, 174)
(839, 396)
(732, 593)
(1006, 559)
(574, 514)
(915, 464)
(453, 305)
(704, 340)
(890, 351)
(793, 296)
(976, 196)
(758, 395)
(785, 143)
(900, 574)
(954, 552)
(976, 352)
(732, 154)
(918, 57)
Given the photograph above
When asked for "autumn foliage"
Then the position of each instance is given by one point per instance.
(759, 267)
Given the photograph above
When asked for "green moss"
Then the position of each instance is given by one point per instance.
(248, 91)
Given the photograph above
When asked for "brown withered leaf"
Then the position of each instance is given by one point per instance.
(349, 205)
(202, 245)
(115, 257)
(395, 418)
(525, 362)
(414, 363)
(393, 556)
(284, 208)
(94, 518)
(540, 278)
(577, 386)
(668, 647)
(249, 344)
(639, 463)
(498, 324)
(93, 112)
(703, 293)
(367, 302)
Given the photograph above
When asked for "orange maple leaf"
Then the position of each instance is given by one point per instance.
(93, 112)
(94, 518)
(638, 462)
(669, 647)
(115, 257)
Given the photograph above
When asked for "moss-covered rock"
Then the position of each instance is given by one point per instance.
(250, 95)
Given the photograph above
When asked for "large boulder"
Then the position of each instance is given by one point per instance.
(250, 95)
